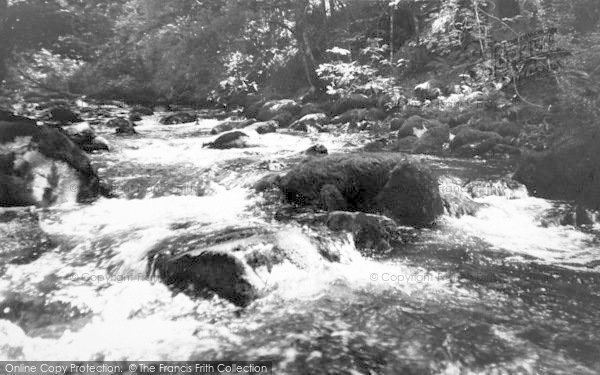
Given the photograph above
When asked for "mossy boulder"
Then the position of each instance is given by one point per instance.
(404, 190)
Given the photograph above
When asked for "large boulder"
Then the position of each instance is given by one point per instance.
(179, 118)
(411, 195)
(273, 108)
(569, 170)
(233, 139)
(234, 262)
(41, 166)
(85, 137)
(218, 271)
(406, 191)
(471, 142)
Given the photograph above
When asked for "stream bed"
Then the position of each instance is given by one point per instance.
(504, 292)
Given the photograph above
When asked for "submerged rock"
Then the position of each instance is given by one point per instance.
(41, 166)
(234, 139)
(404, 190)
(179, 118)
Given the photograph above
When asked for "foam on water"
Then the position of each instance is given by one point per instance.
(514, 225)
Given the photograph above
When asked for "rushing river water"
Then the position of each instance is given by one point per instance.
(503, 292)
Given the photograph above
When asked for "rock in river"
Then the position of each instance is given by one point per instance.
(64, 115)
(228, 261)
(179, 118)
(234, 139)
(85, 137)
(569, 170)
(404, 190)
(41, 166)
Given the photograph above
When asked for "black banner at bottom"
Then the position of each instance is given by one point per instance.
(134, 368)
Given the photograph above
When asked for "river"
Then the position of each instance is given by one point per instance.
(503, 292)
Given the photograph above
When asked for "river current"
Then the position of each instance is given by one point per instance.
(504, 292)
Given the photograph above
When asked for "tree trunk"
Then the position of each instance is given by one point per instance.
(302, 36)
(310, 65)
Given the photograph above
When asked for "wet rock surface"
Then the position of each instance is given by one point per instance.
(569, 170)
(234, 139)
(41, 166)
(178, 118)
(403, 190)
